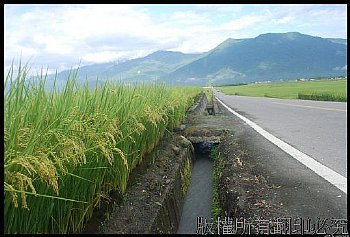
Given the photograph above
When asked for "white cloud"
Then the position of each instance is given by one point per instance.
(229, 8)
(59, 36)
(242, 23)
(198, 45)
(284, 20)
(104, 56)
(190, 18)
(77, 31)
(324, 20)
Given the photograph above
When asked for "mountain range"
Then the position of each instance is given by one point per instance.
(271, 56)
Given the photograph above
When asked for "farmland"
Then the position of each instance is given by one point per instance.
(66, 149)
(332, 90)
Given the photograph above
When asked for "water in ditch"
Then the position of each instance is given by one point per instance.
(199, 195)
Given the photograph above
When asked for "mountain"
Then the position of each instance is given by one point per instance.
(337, 40)
(151, 67)
(145, 69)
(270, 56)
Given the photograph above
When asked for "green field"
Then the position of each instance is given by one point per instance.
(66, 149)
(331, 90)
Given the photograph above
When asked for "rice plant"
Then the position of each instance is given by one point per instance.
(323, 96)
(331, 90)
(66, 149)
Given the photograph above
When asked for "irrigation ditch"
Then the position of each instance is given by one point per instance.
(199, 170)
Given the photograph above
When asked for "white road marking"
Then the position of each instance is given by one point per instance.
(328, 174)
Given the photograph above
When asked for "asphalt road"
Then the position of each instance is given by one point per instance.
(316, 128)
(301, 192)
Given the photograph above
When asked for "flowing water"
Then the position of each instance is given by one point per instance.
(199, 195)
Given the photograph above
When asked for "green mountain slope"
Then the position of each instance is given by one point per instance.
(144, 69)
(337, 40)
(150, 67)
(271, 56)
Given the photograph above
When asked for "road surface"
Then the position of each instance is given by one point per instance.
(302, 192)
(316, 128)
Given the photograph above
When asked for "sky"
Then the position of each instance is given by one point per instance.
(63, 36)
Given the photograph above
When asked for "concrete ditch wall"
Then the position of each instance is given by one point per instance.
(199, 106)
(168, 217)
(154, 204)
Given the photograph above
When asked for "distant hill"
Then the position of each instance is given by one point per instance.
(151, 67)
(270, 56)
(337, 40)
(146, 69)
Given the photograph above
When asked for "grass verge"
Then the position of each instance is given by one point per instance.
(326, 90)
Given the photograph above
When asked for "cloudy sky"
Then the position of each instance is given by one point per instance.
(61, 36)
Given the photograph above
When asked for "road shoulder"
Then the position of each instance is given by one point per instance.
(259, 180)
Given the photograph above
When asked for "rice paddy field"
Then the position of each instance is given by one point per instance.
(66, 149)
(326, 90)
